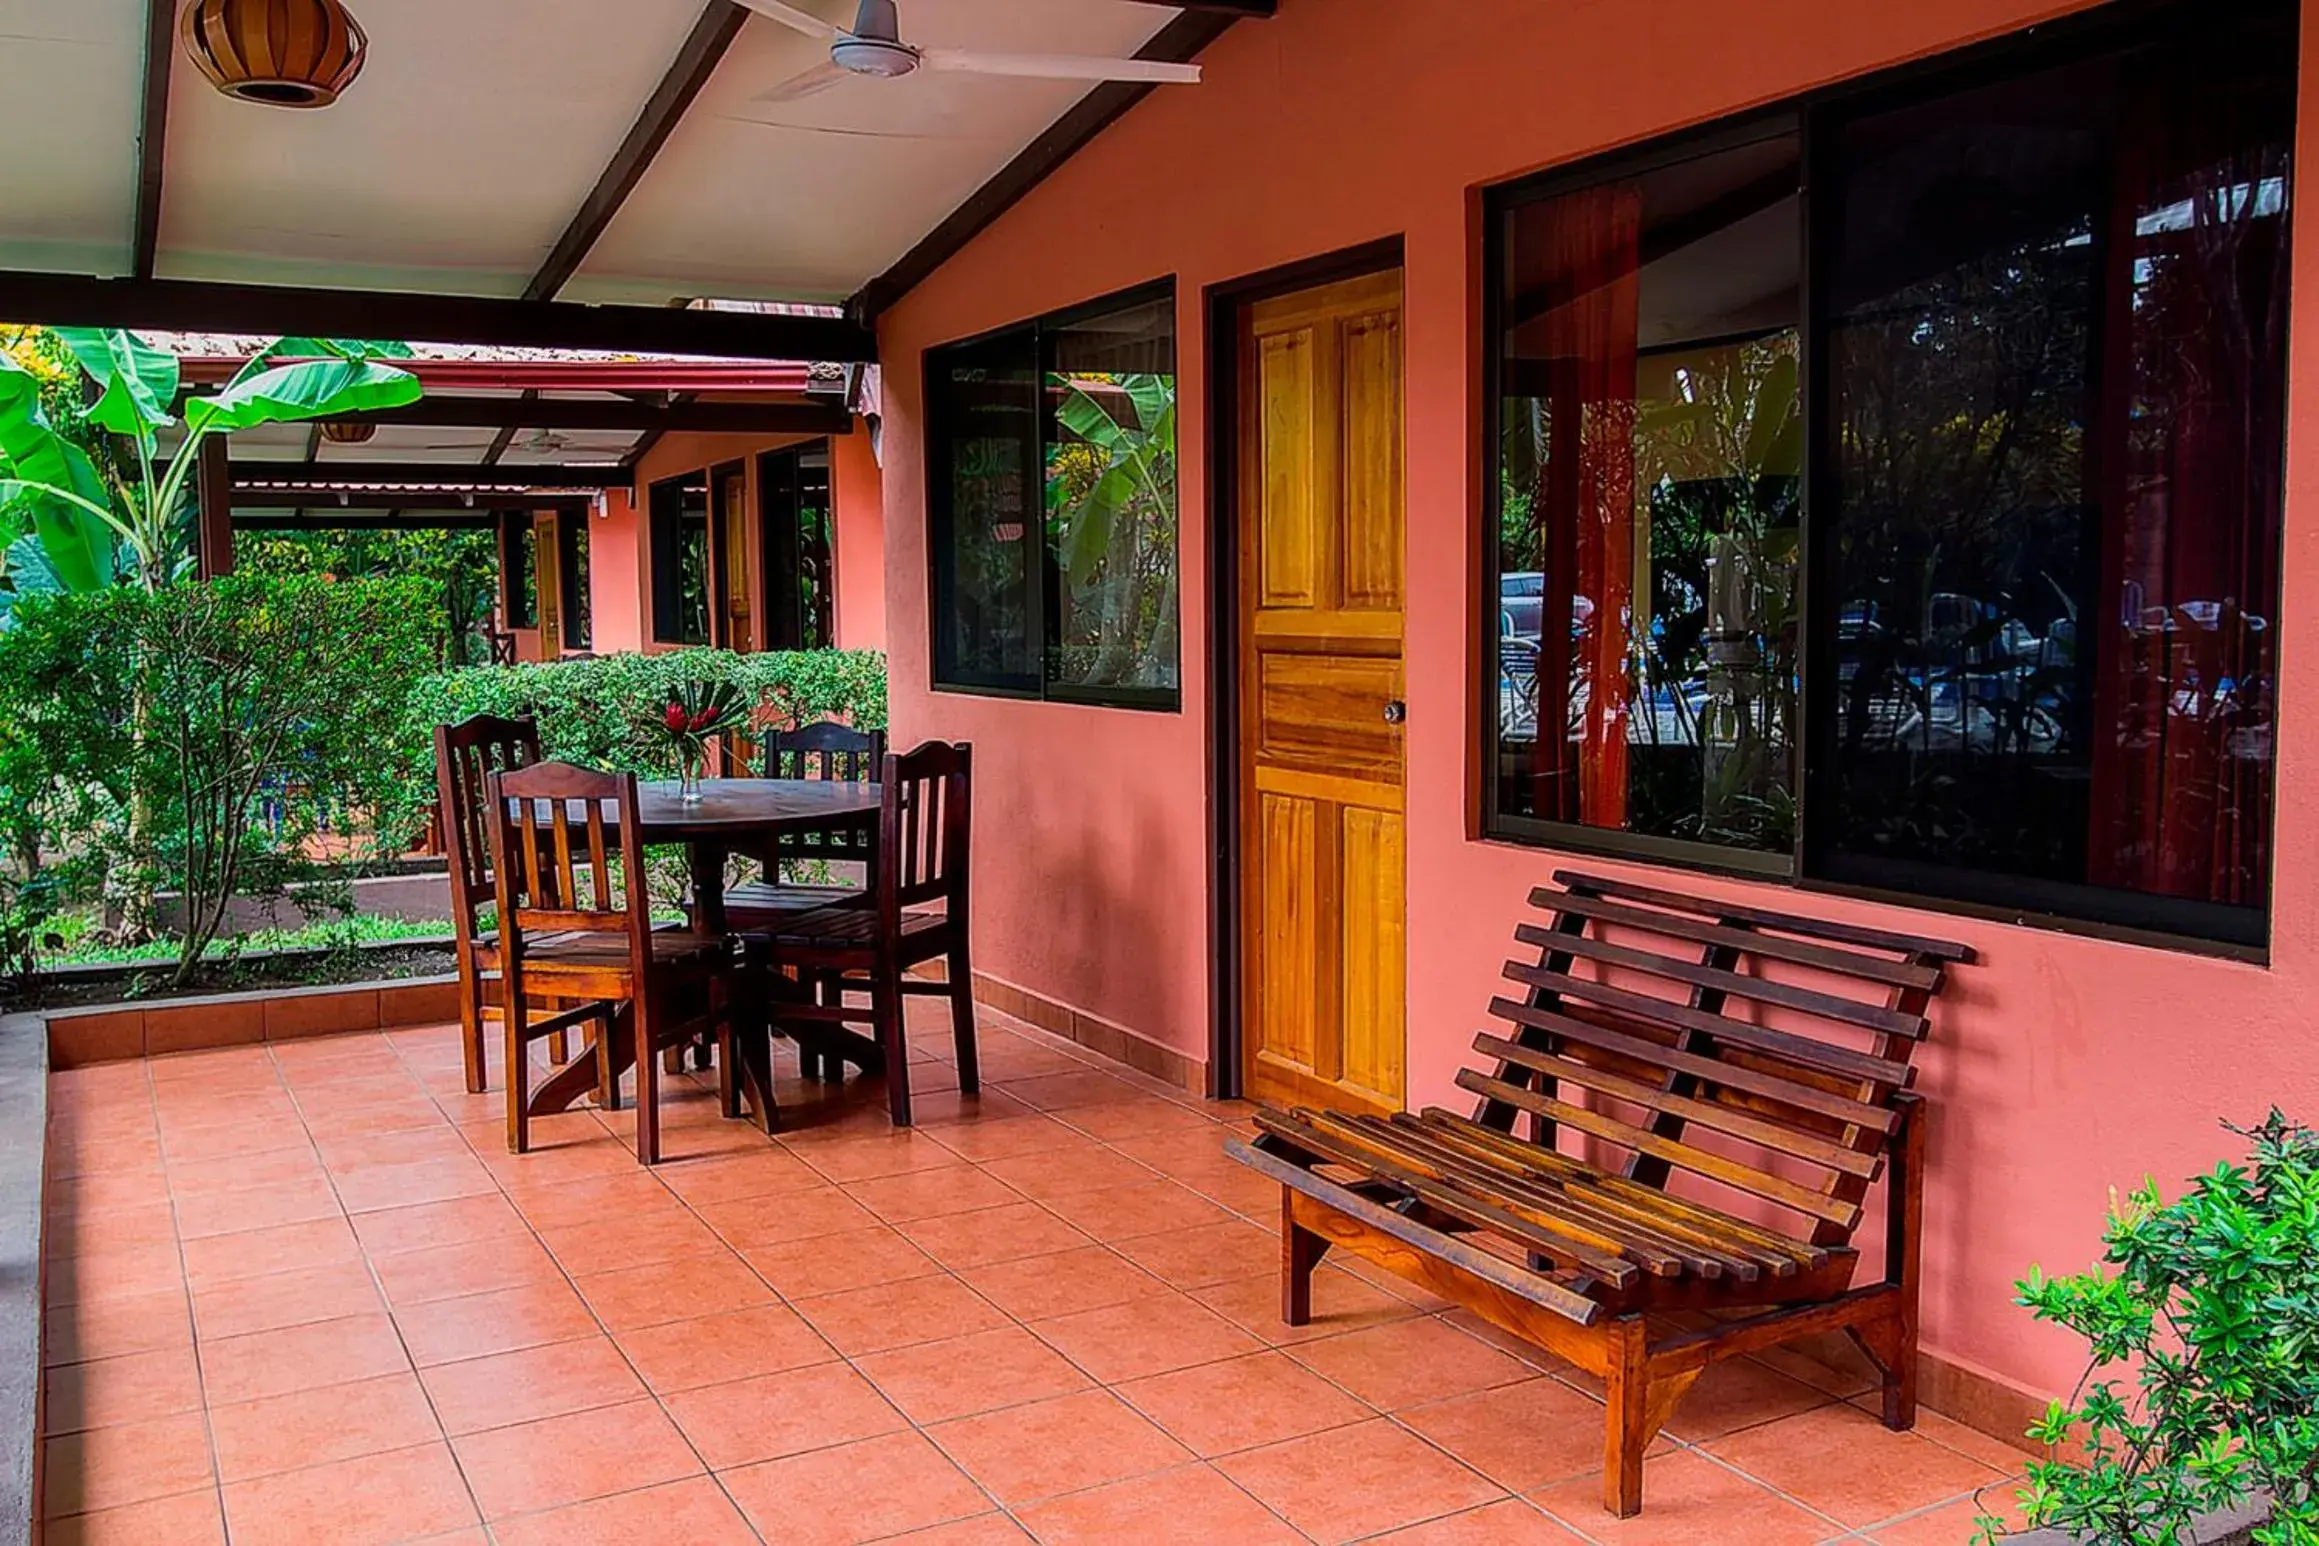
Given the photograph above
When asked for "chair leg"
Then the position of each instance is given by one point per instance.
(962, 1018)
(1627, 1421)
(728, 1061)
(518, 1082)
(607, 1063)
(471, 1022)
(648, 1073)
(886, 1017)
(1300, 1252)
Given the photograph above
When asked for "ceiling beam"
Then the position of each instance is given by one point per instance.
(153, 135)
(395, 520)
(1259, 9)
(323, 476)
(1178, 42)
(322, 502)
(719, 23)
(609, 417)
(197, 306)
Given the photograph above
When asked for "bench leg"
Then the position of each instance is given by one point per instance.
(1300, 1252)
(1891, 1346)
(1628, 1428)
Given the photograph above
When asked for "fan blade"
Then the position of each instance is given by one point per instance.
(1061, 67)
(790, 16)
(818, 79)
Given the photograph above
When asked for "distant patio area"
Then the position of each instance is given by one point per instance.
(301, 1293)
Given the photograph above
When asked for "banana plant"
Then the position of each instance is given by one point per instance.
(52, 491)
(1133, 463)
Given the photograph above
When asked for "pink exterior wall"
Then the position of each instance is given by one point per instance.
(857, 497)
(620, 554)
(615, 575)
(2059, 1067)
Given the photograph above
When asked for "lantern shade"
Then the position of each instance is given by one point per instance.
(282, 53)
(348, 432)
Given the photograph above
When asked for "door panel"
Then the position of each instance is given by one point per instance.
(1321, 758)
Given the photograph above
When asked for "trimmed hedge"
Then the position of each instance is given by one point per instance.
(588, 710)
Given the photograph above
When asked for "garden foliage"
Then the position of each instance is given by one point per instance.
(2203, 1323)
(589, 710)
(215, 738)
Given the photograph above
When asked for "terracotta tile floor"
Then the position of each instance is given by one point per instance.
(301, 1293)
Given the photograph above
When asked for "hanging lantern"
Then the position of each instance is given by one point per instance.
(348, 432)
(282, 53)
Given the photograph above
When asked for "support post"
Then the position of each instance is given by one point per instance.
(214, 525)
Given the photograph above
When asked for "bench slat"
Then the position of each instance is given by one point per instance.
(1746, 1178)
(1898, 974)
(1535, 1287)
(1829, 1006)
(1704, 1257)
(1735, 1076)
(1294, 1127)
(1738, 1231)
(1722, 1119)
(1520, 1196)
(1800, 1050)
(1786, 923)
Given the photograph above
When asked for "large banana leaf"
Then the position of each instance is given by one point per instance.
(310, 389)
(138, 383)
(52, 486)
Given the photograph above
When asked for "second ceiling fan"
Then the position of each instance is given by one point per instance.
(873, 46)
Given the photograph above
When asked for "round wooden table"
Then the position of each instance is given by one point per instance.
(742, 816)
(745, 816)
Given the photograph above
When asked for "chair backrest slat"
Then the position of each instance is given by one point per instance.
(1652, 1015)
(839, 754)
(539, 886)
(924, 843)
(465, 755)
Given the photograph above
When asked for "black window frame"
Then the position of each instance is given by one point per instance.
(944, 675)
(2083, 909)
(519, 567)
(665, 542)
(576, 617)
(783, 477)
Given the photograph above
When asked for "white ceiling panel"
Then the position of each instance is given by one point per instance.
(453, 163)
(806, 200)
(71, 78)
(407, 443)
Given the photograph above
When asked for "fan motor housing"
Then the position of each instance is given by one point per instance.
(873, 56)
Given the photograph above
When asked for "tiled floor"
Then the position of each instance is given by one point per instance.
(302, 1294)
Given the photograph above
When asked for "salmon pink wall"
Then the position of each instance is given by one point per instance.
(620, 566)
(615, 580)
(2059, 1067)
(857, 497)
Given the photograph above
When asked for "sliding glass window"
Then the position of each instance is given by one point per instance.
(2036, 467)
(1052, 467)
(1650, 439)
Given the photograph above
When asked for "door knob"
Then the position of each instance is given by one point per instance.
(1396, 711)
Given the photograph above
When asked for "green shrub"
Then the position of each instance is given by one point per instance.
(203, 736)
(2209, 1306)
(588, 710)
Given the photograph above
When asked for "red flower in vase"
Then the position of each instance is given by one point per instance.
(676, 719)
(702, 721)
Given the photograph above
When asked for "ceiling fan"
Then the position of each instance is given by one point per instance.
(873, 46)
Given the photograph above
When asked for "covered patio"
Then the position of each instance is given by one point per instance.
(301, 1292)
(1366, 486)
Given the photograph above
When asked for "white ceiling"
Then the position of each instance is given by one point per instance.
(478, 127)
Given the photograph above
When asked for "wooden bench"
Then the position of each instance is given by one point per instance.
(1762, 1055)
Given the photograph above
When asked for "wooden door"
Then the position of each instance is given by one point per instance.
(547, 584)
(1321, 835)
(733, 626)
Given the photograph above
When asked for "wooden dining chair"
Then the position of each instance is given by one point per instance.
(823, 750)
(918, 913)
(466, 754)
(575, 922)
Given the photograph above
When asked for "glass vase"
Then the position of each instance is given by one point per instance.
(692, 758)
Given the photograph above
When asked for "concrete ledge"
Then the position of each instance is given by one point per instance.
(23, 1180)
(2232, 1527)
(106, 1033)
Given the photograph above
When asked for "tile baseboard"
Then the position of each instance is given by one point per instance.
(1096, 1034)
